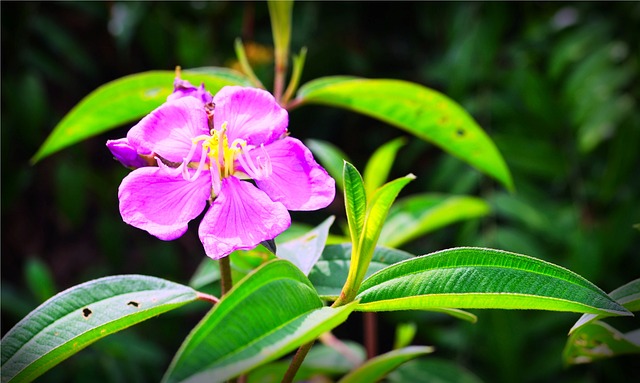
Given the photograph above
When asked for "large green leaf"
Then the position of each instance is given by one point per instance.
(421, 111)
(627, 295)
(265, 316)
(412, 217)
(126, 99)
(330, 272)
(79, 316)
(482, 278)
(376, 368)
(597, 340)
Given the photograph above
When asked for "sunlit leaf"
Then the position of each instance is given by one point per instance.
(377, 170)
(355, 200)
(415, 216)
(244, 330)
(597, 340)
(127, 99)
(421, 111)
(79, 316)
(376, 368)
(627, 295)
(482, 278)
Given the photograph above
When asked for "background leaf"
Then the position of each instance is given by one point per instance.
(424, 112)
(79, 316)
(627, 295)
(376, 368)
(597, 340)
(377, 169)
(243, 330)
(126, 99)
(482, 278)
(331, 158)
(417, 215)
(432, 370)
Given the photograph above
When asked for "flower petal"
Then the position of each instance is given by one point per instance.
(169, 129)
(251, 114)
(126, 154)
(297, 180)
(241, 217)
(160, 201)
(183, 88)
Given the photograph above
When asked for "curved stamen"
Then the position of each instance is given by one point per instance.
(261, 170)
(185, 172)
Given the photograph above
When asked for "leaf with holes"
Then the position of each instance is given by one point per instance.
(597, 340)
(79, 316)
(126, 99)
(268, 314)
(478, 278)
(421, 111)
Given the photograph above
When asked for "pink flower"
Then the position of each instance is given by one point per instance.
(236, 157)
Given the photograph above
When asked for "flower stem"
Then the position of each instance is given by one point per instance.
(298, 358)
(371, 334)
(225, 275)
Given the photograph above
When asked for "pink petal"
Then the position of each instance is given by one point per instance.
(297, 181)
(240, 218)
(169, 130)
(126, 154)
(160, 201)
(251, 114)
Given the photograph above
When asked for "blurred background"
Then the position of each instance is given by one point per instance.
(555, 84)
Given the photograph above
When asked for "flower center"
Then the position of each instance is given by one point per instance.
(219, 158)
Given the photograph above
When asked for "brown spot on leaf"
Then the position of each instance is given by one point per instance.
(86, 313)
(133, 303)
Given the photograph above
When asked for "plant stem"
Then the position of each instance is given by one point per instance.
(225, 275)
(206, 297)
(298, 358)
(371, 334)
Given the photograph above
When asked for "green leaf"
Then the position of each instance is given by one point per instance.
(280, 13)
(331, 157)
(244, 330)
(597, 340)
(330, 272)
(355, 201)
(207, 273)
(432, 370)
(481, 279)
(377, 211)
(421, 111)
(415, 216)
(305, 250)
(405, 332)
(376, 368)
(125, 100)
(377, 170)
(79, 316)
(627, 295)
(39, 279)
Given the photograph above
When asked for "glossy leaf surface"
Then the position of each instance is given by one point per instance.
(244, 330)
(127, 99)
(482, 278)
(421, 111)
(304, 251)
(79, 316)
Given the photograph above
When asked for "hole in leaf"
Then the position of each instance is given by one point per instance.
(86, 313)
(133, 303)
